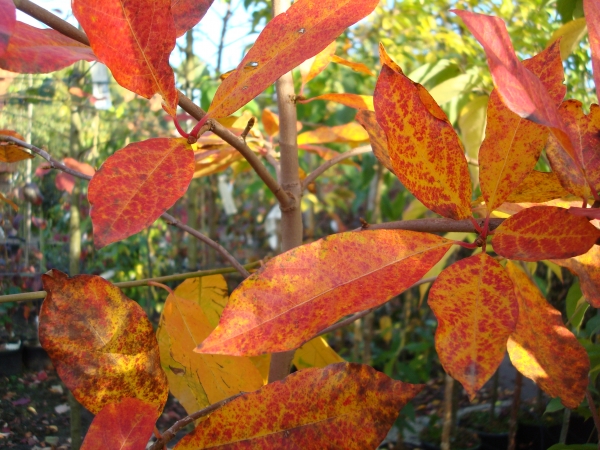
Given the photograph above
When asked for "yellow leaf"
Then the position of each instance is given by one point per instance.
(315, 353)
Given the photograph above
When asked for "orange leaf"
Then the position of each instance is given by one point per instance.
(315, 353)
(343, 405)
(12, 204)
(305, 29)
(425, 151)
(8, 20)
(270, 122)
(199, 380)
(136, 185)
(584, 132)
(214, 161)
(276, 310)
(538, 187)
(32, 50)
(544, 232)
(542, 348)
(126, 425)
(472, 333)
(512, 145)
(587, 268)
(357, 67)
(134, 39)
(65, 181)
(592, 18)
(376, 136)
(349, 132)
(318, 64)
(351, 100)
(10, 152)
(187, 13)
(520, 90)
(100, 342)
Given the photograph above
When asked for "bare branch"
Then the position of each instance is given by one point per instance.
(438, 225)
(332, 162)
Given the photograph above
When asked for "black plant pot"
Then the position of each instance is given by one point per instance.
(35, 357)
(536, 437)
(493, 441)
(11, 360)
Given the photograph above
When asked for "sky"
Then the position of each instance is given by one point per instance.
(206, 37)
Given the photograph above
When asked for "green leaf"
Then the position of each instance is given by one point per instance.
(576, 305)
(554, 405)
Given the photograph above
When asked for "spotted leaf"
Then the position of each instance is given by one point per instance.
(377, 137)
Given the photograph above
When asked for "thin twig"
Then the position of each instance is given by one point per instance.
(249, 126)
(355, 317)
(171, 432)
(185, 103)
(54, 163)
(25, 296)
(437, 225)
(594, 412)
(332, 162)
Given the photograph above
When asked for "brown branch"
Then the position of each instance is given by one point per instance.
(326, 165)
(25, 296)
(185, 103)
(171, 432)
(437, 225)
(54, 163)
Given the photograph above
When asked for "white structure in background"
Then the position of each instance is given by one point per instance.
(225, 189)
(100, 91)
(272, 227)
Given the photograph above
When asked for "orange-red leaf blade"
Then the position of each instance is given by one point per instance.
(587, 268)
(100, 342)
(8, 20)
(126, 425)
(542, 348)
(538, 187)
(425, 151)
(592, 18)
(187, 13)
(276, 309)
(357, 67)
(377, 137)
(303, 31)
(544, 232)
(134, 39)
(343, 405)
(476, 309)
(136, 185)
(33, 50)
(351, 100)
(512, 145)
(10, 152)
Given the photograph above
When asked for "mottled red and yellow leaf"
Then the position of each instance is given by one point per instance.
(513, 145)
(377, 137)
(584, 132)
(8, 20)
(343, 405)
(276, 310)
(101, 343)
(542, 348)
(126, 425)
(187, 13)
(32, 50)
(426, 153)
(134, 39)
(475, 305)
(592, 18)
(305, 29)
(587, 268)
(10, 152)
(315, 353)
(357, 67)
(136, 185)
(544, 232)
(351, 100)
(538, 187)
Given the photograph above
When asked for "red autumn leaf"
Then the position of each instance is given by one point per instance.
(65, 181)
(584, 132)
(592, 19)
(520, 90)
(426, 153)
(187, 13)
(512, 145)
(32, 50)
(542, 348)
(377, 137)
(101, 343)
(305, 29)
(476, 309)
(134, 39)
(126, 425)
(276, 310)
(586, 267)
(10, 152)
(351, 100)
(544, 232)
(590, 213)
(343, 405)
(8, 20)
(136, 185)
